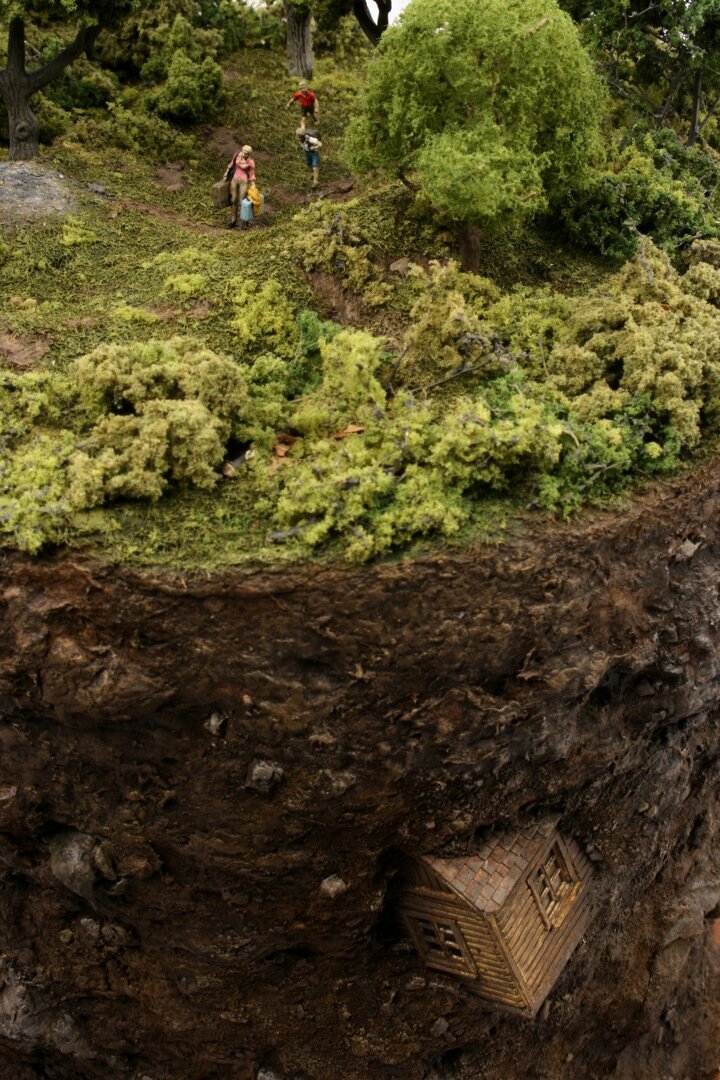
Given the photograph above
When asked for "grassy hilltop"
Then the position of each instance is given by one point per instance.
(329, 381)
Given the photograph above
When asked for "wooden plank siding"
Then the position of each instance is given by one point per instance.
(540, 953)
(495, 980)
(517, 945)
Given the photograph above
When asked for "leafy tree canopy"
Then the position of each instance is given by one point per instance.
(494, 107)
(663, 55)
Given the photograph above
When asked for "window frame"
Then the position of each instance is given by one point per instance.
(554, 913)
(441, 958)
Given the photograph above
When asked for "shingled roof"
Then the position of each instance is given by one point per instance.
(487, 878)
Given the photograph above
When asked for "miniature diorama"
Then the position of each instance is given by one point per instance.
(504, 919)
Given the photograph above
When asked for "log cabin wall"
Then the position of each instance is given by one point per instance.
(539, 952)
(493, 978)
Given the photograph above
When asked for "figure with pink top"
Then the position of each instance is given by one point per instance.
(241, 174)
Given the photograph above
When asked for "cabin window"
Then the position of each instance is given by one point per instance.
(553, 884)
(441, 943)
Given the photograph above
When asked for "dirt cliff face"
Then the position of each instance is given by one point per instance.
(206, 785)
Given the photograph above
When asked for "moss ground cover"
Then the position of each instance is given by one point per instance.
(196, 407)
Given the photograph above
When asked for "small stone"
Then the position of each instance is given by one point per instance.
(686, 550)
(264, 775)
(416, 983)
(333, 886)
(71, 862)
(439, 1028)
(215, 723)
(91, 928)
(322, 738)
(340, 782)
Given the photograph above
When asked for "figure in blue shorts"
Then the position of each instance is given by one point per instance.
(310, 143)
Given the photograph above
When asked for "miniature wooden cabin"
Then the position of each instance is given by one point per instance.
(505, 919)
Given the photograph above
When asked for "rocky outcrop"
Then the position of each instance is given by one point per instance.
(206, 784)
(31, 192)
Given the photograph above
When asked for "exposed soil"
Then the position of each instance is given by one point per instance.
(337, 303)
(171, 178)
(222, 142)
(22, 353)
(185, 760)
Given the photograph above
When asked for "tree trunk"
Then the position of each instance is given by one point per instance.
(17, 85)
(695, 118)
(470, 243)
(299, 39)
(23, 125)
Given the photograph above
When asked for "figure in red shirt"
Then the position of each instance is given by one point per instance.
(308, 103)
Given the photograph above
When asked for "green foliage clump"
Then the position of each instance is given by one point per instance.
(334, 243)
(495, 107)
(626, 380)
(125, 421)
(53, 119)
(638, 194)
(446, 322)
(129, 129)
(644, 335)
(350, 388)
(85, 85)
(183, 67)
(240, 24)
(191, 90)
(265, 318)
(75, 233)
(185, 285)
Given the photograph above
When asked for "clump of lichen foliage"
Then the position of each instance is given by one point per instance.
(552, 399)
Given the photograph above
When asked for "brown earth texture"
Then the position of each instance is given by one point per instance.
(185, 761)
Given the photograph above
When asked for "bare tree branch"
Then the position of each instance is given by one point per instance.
(372, 30)
(84, 40)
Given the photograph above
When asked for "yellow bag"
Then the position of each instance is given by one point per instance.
(256, 199)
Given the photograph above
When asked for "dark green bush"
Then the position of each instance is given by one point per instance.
(191, 90)
(640, 193)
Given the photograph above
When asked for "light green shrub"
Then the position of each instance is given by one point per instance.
(264, 321)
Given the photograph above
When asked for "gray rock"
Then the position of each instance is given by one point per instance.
(215, 724)
(333, 886)
(264, 775)
(72, 863)
(439, 1028)
(32, 192)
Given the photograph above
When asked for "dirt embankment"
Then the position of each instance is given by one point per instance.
(184, 763)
